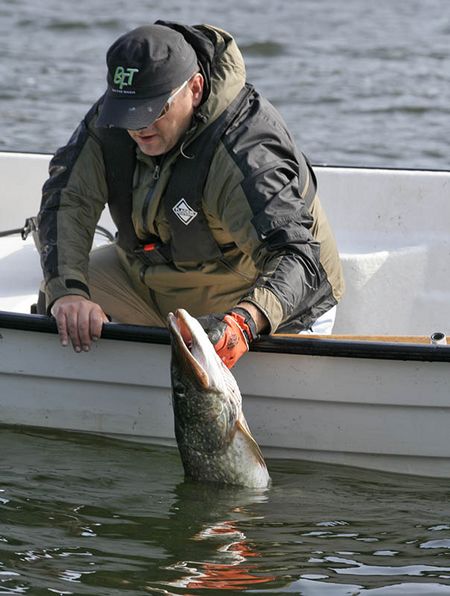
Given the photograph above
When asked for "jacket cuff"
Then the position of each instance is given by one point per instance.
(59, 287)
(268, 304)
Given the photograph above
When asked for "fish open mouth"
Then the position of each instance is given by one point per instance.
(185, 331)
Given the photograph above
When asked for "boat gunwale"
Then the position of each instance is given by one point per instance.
(299, 345)
(325, 166)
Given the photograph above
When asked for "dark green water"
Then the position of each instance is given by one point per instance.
(86, 515)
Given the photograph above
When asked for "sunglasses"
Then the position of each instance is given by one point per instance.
(169, 102)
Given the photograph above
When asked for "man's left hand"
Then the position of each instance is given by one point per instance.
(230, 333)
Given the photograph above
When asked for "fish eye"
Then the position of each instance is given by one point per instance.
(179, 388)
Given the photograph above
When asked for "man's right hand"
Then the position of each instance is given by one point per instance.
(79, 320)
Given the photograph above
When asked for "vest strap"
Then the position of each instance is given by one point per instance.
(191, 237)
(119, 157)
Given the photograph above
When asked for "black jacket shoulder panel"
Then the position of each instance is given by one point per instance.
(274, 172)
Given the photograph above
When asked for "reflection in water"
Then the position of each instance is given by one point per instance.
(213, 515)
(236, 574)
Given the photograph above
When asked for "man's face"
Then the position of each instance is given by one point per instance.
(161, 136)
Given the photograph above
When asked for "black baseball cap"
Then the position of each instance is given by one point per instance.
(144, 67)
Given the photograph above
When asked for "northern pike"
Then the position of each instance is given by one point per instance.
(213, 437)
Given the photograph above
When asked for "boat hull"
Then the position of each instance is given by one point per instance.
(385, 414)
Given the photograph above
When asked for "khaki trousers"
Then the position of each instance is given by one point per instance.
(112, 288)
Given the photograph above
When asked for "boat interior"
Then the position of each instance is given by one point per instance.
(391, 227)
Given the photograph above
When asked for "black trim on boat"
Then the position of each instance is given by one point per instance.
(302, 345)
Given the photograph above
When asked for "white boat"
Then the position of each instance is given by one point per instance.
(377, 395)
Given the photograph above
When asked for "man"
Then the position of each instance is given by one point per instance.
(215, 207)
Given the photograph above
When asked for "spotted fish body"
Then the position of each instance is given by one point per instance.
(213, 437)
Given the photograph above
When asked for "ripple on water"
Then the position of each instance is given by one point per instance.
(263, 48)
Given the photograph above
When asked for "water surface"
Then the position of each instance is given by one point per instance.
(85, 515)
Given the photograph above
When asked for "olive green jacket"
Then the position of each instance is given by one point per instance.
(278, 252)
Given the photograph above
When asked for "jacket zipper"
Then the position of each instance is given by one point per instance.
(155, 178)
(148, 198)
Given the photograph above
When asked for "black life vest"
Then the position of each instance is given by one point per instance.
(189, 242)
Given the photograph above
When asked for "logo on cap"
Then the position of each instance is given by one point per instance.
(123, 77)
(184, 212)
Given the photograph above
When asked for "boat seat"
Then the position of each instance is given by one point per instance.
(374, 281)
